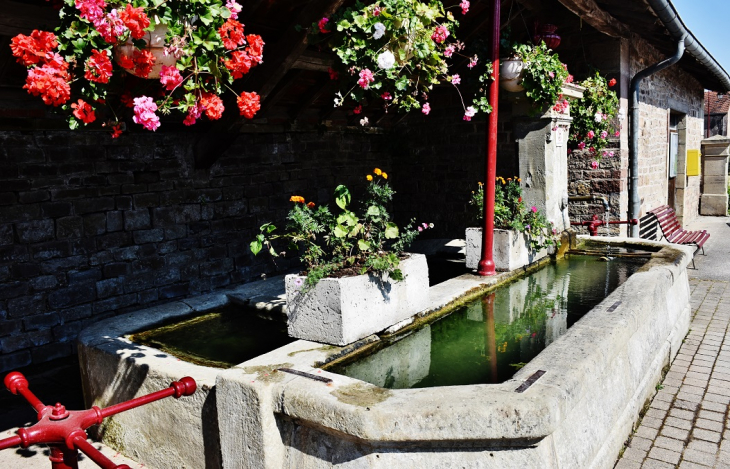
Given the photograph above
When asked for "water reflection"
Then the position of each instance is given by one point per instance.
(488, 340)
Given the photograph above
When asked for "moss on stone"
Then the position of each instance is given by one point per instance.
(362, 394)
(268, 373)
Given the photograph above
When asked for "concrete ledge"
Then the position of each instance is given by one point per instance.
(578, 414)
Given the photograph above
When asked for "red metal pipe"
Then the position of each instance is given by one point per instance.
(65, 431)
(594, 223)
(486, 264)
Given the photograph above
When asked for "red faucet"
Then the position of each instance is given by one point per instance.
(65, 431)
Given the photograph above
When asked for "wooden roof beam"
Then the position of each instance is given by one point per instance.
(598, 18)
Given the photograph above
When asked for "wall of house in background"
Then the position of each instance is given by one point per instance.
(671, 90)
(91, 227)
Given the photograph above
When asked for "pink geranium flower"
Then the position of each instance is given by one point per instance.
(594, 164)
(170, 77)
(144, 113)
(464, 6)
(366, 77)
(440, 34)
(426, 108)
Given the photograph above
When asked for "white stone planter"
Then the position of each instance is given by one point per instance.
(340, 311)
(511, 250)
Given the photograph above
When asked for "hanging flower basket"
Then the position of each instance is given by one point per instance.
(190, 51)
(155, 44)
(511, 73)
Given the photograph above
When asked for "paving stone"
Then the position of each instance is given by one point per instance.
(633, 454)
(643, 444)
(627, 464)
(665, 455)
(679, 423)
(699, 457)
(709, 425)
(682, 414)
(691, 465)
(651, 422)
(674, 432)
(706, 435)
(655, 464)
(704, 446)
(717, 398)
(685, 396)
(686, 405)
(656, 413)
(697, 382)
(714, 406)
(716, 416)
(669, 443)
(647, 432)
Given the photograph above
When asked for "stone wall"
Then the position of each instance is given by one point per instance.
(671, 90)
(90, 227)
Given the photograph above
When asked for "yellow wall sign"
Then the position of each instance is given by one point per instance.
(693, 162)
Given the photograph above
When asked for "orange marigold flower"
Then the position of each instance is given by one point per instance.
(377, 171)
(385, 175)
(296, 199)
(310, 204)
(369, 177)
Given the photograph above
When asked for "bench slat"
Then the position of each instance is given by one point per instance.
(673, 232)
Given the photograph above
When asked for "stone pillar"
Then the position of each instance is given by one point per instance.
(543, 157)
(714, 199)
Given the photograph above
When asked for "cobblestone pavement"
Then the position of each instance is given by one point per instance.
(687, 424)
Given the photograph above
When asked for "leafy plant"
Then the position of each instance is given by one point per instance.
(511, 213)
(593, 117)
(394, 52)
(87, 65)
(544, 74)
(346, 242)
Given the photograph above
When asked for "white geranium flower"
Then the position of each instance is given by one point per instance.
(364, 121)
(386, 60)
(598, 117)
(379, 30)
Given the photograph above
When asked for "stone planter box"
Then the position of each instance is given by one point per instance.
(339, 311)
(511, 250)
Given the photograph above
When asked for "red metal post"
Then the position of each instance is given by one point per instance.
(486, 264)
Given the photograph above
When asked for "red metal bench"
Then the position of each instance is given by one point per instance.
(674, 233)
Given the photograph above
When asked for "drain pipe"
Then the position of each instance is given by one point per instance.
(634, 201)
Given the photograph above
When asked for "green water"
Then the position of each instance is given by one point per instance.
(489, 340)
(222, 338)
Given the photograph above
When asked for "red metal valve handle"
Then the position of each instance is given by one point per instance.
(65, 431)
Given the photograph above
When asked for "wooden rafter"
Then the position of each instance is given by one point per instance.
(598, 18)
(279, 58)
(320, 87)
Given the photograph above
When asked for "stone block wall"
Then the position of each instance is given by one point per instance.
(91, 227)
(671, 90)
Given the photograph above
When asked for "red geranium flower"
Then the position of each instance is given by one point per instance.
(135, 19)
(143, 62)
(232, 34)
(612, 82)
(239, 64)
(255, 48)
(84, 112)
(213, 105)
(98, 67)
(32, 49)
(249, 104)
(127, 99)
(116, 131)
(50, 83)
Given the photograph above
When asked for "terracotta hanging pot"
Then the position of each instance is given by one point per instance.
(511, 72)
(546, 33)
(155, 44)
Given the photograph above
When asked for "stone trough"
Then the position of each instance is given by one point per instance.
(596, 379)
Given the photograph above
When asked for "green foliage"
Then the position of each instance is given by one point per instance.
(544, 74)
(395, 40)
(593, 117)
(511, 213)
(363, 241)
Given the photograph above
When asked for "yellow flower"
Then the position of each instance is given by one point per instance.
(385, 175)
(519, 180)
(480, 183)
(370, 178)
(296, 198)
(377, 171)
